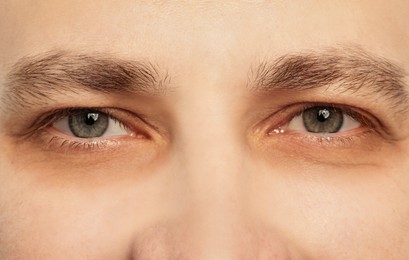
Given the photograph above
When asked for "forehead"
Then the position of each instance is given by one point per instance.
(213, 32)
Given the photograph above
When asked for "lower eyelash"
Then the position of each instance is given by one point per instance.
(42, 132)
(57, 143)
(330, 141)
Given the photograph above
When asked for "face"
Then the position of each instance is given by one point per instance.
(205, 130)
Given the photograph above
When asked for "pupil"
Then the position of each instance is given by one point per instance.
(323, 115)
(322, 119)
(88, 124)
(90, 118)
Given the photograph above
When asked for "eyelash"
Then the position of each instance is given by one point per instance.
(42, 129)
(286, 114)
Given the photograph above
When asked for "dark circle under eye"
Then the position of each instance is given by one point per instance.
(88, 123)
(323, 119)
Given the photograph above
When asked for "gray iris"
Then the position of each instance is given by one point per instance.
(88, 124)
(323, 119)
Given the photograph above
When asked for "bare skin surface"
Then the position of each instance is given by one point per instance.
(212, 164)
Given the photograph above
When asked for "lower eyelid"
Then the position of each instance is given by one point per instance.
(136, 132)
(51, 140)
(308, 144)
(320, 137)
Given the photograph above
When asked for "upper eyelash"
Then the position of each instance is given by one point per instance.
(55, 115)
(79, 144)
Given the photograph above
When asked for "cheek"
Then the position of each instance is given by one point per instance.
(48, 211)
(332, 213)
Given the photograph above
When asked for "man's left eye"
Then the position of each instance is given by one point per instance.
(323, 120)
(84, 123)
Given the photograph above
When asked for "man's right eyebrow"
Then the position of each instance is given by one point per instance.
(35, 79)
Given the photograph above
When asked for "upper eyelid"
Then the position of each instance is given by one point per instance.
(152, 125)
(47, 119)
(137, 123)
(352, 111)
(347, 110)
(62, 124)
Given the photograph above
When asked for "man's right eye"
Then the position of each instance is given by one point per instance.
(93, 129)
(85, 123)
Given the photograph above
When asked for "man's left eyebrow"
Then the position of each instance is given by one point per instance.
(35, 79)
(347, 69)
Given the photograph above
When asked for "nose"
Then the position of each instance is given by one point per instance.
(216, 222)
(215, 217)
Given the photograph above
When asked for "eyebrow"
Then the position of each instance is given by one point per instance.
(347, 69)
(37, 78)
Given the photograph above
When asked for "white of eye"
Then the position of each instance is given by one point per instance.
(115, 128)
(297, 124)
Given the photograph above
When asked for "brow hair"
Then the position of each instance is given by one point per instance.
(349, 69)
(35, 78)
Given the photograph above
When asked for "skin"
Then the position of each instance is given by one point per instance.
(207, 184)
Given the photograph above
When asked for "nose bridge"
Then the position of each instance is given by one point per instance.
(212, 163)
(212, 159)
(209, 152)
(212, 171)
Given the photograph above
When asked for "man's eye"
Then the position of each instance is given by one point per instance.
(323, 120)
(84, 123)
